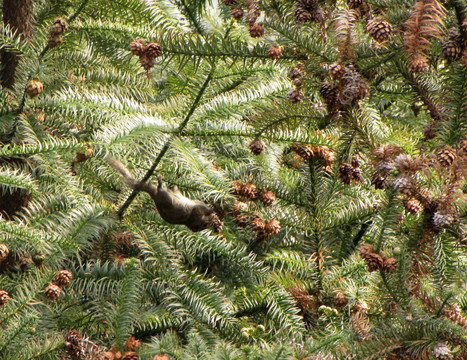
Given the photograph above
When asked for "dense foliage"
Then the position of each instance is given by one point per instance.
(330, 138)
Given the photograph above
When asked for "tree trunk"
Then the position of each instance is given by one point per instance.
(18, 14)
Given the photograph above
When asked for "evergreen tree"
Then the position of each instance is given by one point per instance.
(328, 137)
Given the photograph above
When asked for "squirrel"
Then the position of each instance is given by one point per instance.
(172, 205)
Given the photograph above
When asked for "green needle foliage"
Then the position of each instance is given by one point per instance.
(328, 137)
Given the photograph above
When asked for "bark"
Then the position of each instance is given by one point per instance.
(18, 14)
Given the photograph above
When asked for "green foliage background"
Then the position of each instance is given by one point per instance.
(215, 89)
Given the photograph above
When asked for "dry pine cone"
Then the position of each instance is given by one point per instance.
(4, 297)
(53, 291)
(257, 146)
(34, 88)
(256, 30)
(63, 278)
(275, 52)
(4, 251)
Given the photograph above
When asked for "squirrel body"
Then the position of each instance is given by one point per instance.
(172, 205)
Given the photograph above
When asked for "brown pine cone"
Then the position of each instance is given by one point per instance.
(374, 261)
(302, 15)
(4, 251)
(297, 82)
(74, 344)
(53, 291)
(256, 30)
(378, 181)
(267, 197)
(54, 41)
(137, 47)
(63, 278)
(305, 151)
(380, 29)
(272, 227)
(108, 355)
(302, 297)
(295, 95)
(236, 187)
(413, 206)
(452, 50)
(345, 173)
(237, 13)
(4, 297)
(353, 4)
(153, 50)
(366, 249)
(337, 70)
(389, 264)
(356, 162)
(230, 2)
(34, 88)
(130, 355)
(406, 184)
(257, 146)
(241, 218)
(161, 357)
(147, 62)
(248, 191)
(446, 156)
(419, 64)
(340, 299)
(59, 26)
(295, 73)
(258, 224)
(329, 92)
(275, 52)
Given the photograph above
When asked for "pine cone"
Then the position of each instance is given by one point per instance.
(356, 162)
(272, 227)
(137, 47)
(455, 314)
(63, 278)
(74, 344)
(275, 52)
(389, 264)
(256, 30)
(353, 88)
(108, 355)
(295, 73)
(34, 88)
(304, 300)
(53, 291)
(405, 184)
(257, 146)
(59, 26)
(380, 29)
(236, 187)
(307, 4)
(248, 191)
(4, 251)
(83, 155)
(357, 175)
(161, 357)
(419, 64)
(345, 173)
(4, 297)
(305, 151)
(130, 355)
(340, 299)
(216, 223)
(302, 15)
(295, 95)
(337, 70)
(267, 197)
(147, 62)
(329, 92)
(413, 206)
(297, 82)
(153, 50)
(374, 261)
(452, 50)
(446, 156)
(258, 225)
(443, 218)
(366, 249)
(353, 4)
(230, 2)
(241, 218)
(54, 41)
(378, 181)
(237, 13)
